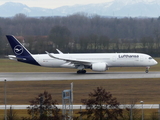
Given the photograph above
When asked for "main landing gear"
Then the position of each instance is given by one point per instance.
(147, 69)
(81, 71)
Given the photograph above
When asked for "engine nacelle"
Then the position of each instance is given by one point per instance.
(99, 67)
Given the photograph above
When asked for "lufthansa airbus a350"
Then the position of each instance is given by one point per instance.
(96, 61)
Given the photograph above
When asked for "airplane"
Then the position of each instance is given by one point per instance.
(99, 62)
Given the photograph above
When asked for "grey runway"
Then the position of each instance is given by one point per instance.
(37, 76)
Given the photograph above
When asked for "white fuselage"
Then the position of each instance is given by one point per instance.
(96, 61)
(111, 59)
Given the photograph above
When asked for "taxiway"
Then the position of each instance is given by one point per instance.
(37, 76)
(137, 106)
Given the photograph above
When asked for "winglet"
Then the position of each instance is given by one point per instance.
(59, 51)
(47, 52)
(50, 54)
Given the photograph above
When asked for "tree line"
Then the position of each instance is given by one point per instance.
(83, 33)
(100, 105)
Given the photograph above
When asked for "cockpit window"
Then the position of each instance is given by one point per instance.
(150, 58)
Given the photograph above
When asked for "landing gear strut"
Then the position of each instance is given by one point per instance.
(81, 71)
(147, 69)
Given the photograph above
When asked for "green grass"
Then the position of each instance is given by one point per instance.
(124, 90)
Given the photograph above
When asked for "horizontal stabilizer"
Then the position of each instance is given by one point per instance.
(13, 57)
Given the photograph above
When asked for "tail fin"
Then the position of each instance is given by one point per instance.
(21, 53)
(18, 49)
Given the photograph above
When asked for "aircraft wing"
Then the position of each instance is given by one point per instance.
(74, 61)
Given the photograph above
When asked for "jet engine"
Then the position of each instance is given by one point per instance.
(99, 67)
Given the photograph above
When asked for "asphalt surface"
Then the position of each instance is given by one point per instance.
(37, 76)
(137, 106)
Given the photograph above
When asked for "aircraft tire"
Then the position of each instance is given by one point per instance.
(81, 71)
(78, 72)
(84, 71)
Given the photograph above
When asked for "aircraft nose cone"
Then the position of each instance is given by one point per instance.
(155, 62)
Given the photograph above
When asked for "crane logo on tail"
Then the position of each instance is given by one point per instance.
(18, 49)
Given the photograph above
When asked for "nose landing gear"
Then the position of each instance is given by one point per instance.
(147, 69)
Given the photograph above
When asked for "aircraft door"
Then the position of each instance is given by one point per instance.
(141, 59)
(114, 58)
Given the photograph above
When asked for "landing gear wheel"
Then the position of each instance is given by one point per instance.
(81, 71)
(147, 69)
(84, 71)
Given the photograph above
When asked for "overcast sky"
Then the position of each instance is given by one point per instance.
(53, 3)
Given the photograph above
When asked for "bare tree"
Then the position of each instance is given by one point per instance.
(131, 112)
(43, 107)
(11, 114)
(101, 106)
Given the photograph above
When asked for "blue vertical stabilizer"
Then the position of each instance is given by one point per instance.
(21, 53)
